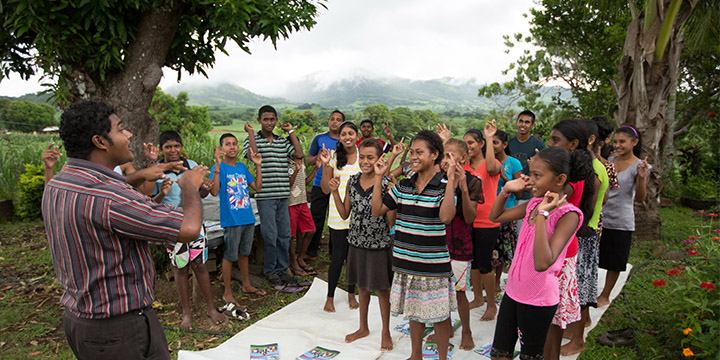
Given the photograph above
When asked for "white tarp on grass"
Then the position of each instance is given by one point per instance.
(303, 324)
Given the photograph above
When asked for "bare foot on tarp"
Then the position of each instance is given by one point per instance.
(466, 342)
(359, 334)
(602, 302)
(386, 343)
(490, 312)
(329, 305)
(353, 302)
(476, 303)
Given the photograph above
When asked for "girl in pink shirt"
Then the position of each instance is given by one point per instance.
(532, 292)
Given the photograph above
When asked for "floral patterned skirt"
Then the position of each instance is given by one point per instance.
(587, 269)
(506, 243)
(423, 299)
(568, 310)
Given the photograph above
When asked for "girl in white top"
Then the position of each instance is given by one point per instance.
(343, 163)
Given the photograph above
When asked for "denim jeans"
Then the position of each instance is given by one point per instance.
(275, 230)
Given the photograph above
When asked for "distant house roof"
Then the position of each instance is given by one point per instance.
(51, 129)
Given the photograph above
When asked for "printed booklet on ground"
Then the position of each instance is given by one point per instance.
(430, 351)
(485, 351)
(405, 327)
(318, 353)
(265, 352)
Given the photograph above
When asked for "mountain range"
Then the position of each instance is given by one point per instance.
(352, 92)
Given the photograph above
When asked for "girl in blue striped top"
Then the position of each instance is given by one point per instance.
(422, 287)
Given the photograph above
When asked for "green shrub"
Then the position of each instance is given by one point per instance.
(702, 186)
(30, 192)
(18, 149)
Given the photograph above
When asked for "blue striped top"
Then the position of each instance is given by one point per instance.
(420, 247)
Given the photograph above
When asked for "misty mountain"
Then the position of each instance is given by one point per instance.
(355, 91)
(222, 95)
(361, 90)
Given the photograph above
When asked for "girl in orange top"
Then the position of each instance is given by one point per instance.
(482, 163)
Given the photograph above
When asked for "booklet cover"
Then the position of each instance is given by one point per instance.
(405, 327)
(318, 353)
(430, 351)
(265, 352)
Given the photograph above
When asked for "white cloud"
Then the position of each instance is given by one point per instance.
(415, 39)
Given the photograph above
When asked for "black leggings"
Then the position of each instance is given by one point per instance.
(338, 238)
(529, 322)
(318, 208)
(484, 240)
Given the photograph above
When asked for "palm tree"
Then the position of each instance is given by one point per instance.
(649, 72)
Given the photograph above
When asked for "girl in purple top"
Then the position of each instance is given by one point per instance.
(532, 292)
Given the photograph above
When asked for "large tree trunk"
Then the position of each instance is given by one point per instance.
(646, 86)
(131, 90)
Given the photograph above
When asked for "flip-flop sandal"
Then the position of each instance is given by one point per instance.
(305, 283)
(257, 291)
(299, 272)
(309, 269)
(289, 289)
(234, 312)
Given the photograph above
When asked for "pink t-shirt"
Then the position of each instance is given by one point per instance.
(525, 285)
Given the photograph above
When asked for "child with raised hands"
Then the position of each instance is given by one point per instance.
(231, 180)
(549, 222)
(341, 165)
(618, 211)
(422, 286)
(483, 164)
(369, 259)
(468, 192)
(193, 254)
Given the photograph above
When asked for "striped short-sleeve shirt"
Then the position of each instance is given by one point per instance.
(275, 154)
(335, 222)
(420, 247)
(98, 228)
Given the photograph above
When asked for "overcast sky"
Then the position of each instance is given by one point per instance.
(414, 39)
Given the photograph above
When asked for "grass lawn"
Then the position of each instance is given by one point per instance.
(31, 318)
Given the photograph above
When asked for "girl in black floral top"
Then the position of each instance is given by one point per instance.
(369, 261)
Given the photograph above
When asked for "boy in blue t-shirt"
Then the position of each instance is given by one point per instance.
(230, 179)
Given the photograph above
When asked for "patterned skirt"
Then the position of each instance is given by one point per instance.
(506, 243)
(423, 299)
(568, 310)
(587, 269)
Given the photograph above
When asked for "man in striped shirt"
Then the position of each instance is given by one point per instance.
(98, 228)
(272, 200)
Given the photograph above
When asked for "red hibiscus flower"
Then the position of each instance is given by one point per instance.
(693, 253)
(659, 283)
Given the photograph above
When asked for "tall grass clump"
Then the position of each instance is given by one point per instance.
(16, 150)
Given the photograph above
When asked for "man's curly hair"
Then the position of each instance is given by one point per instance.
(80, 122)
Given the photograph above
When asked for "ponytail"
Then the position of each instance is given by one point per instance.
(581, 169)
(340, 152)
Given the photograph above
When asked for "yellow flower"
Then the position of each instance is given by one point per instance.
(687, 331)
(688, 352)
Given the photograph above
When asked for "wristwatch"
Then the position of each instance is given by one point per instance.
(543, 213)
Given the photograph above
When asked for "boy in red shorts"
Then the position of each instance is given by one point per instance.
(300, 216)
